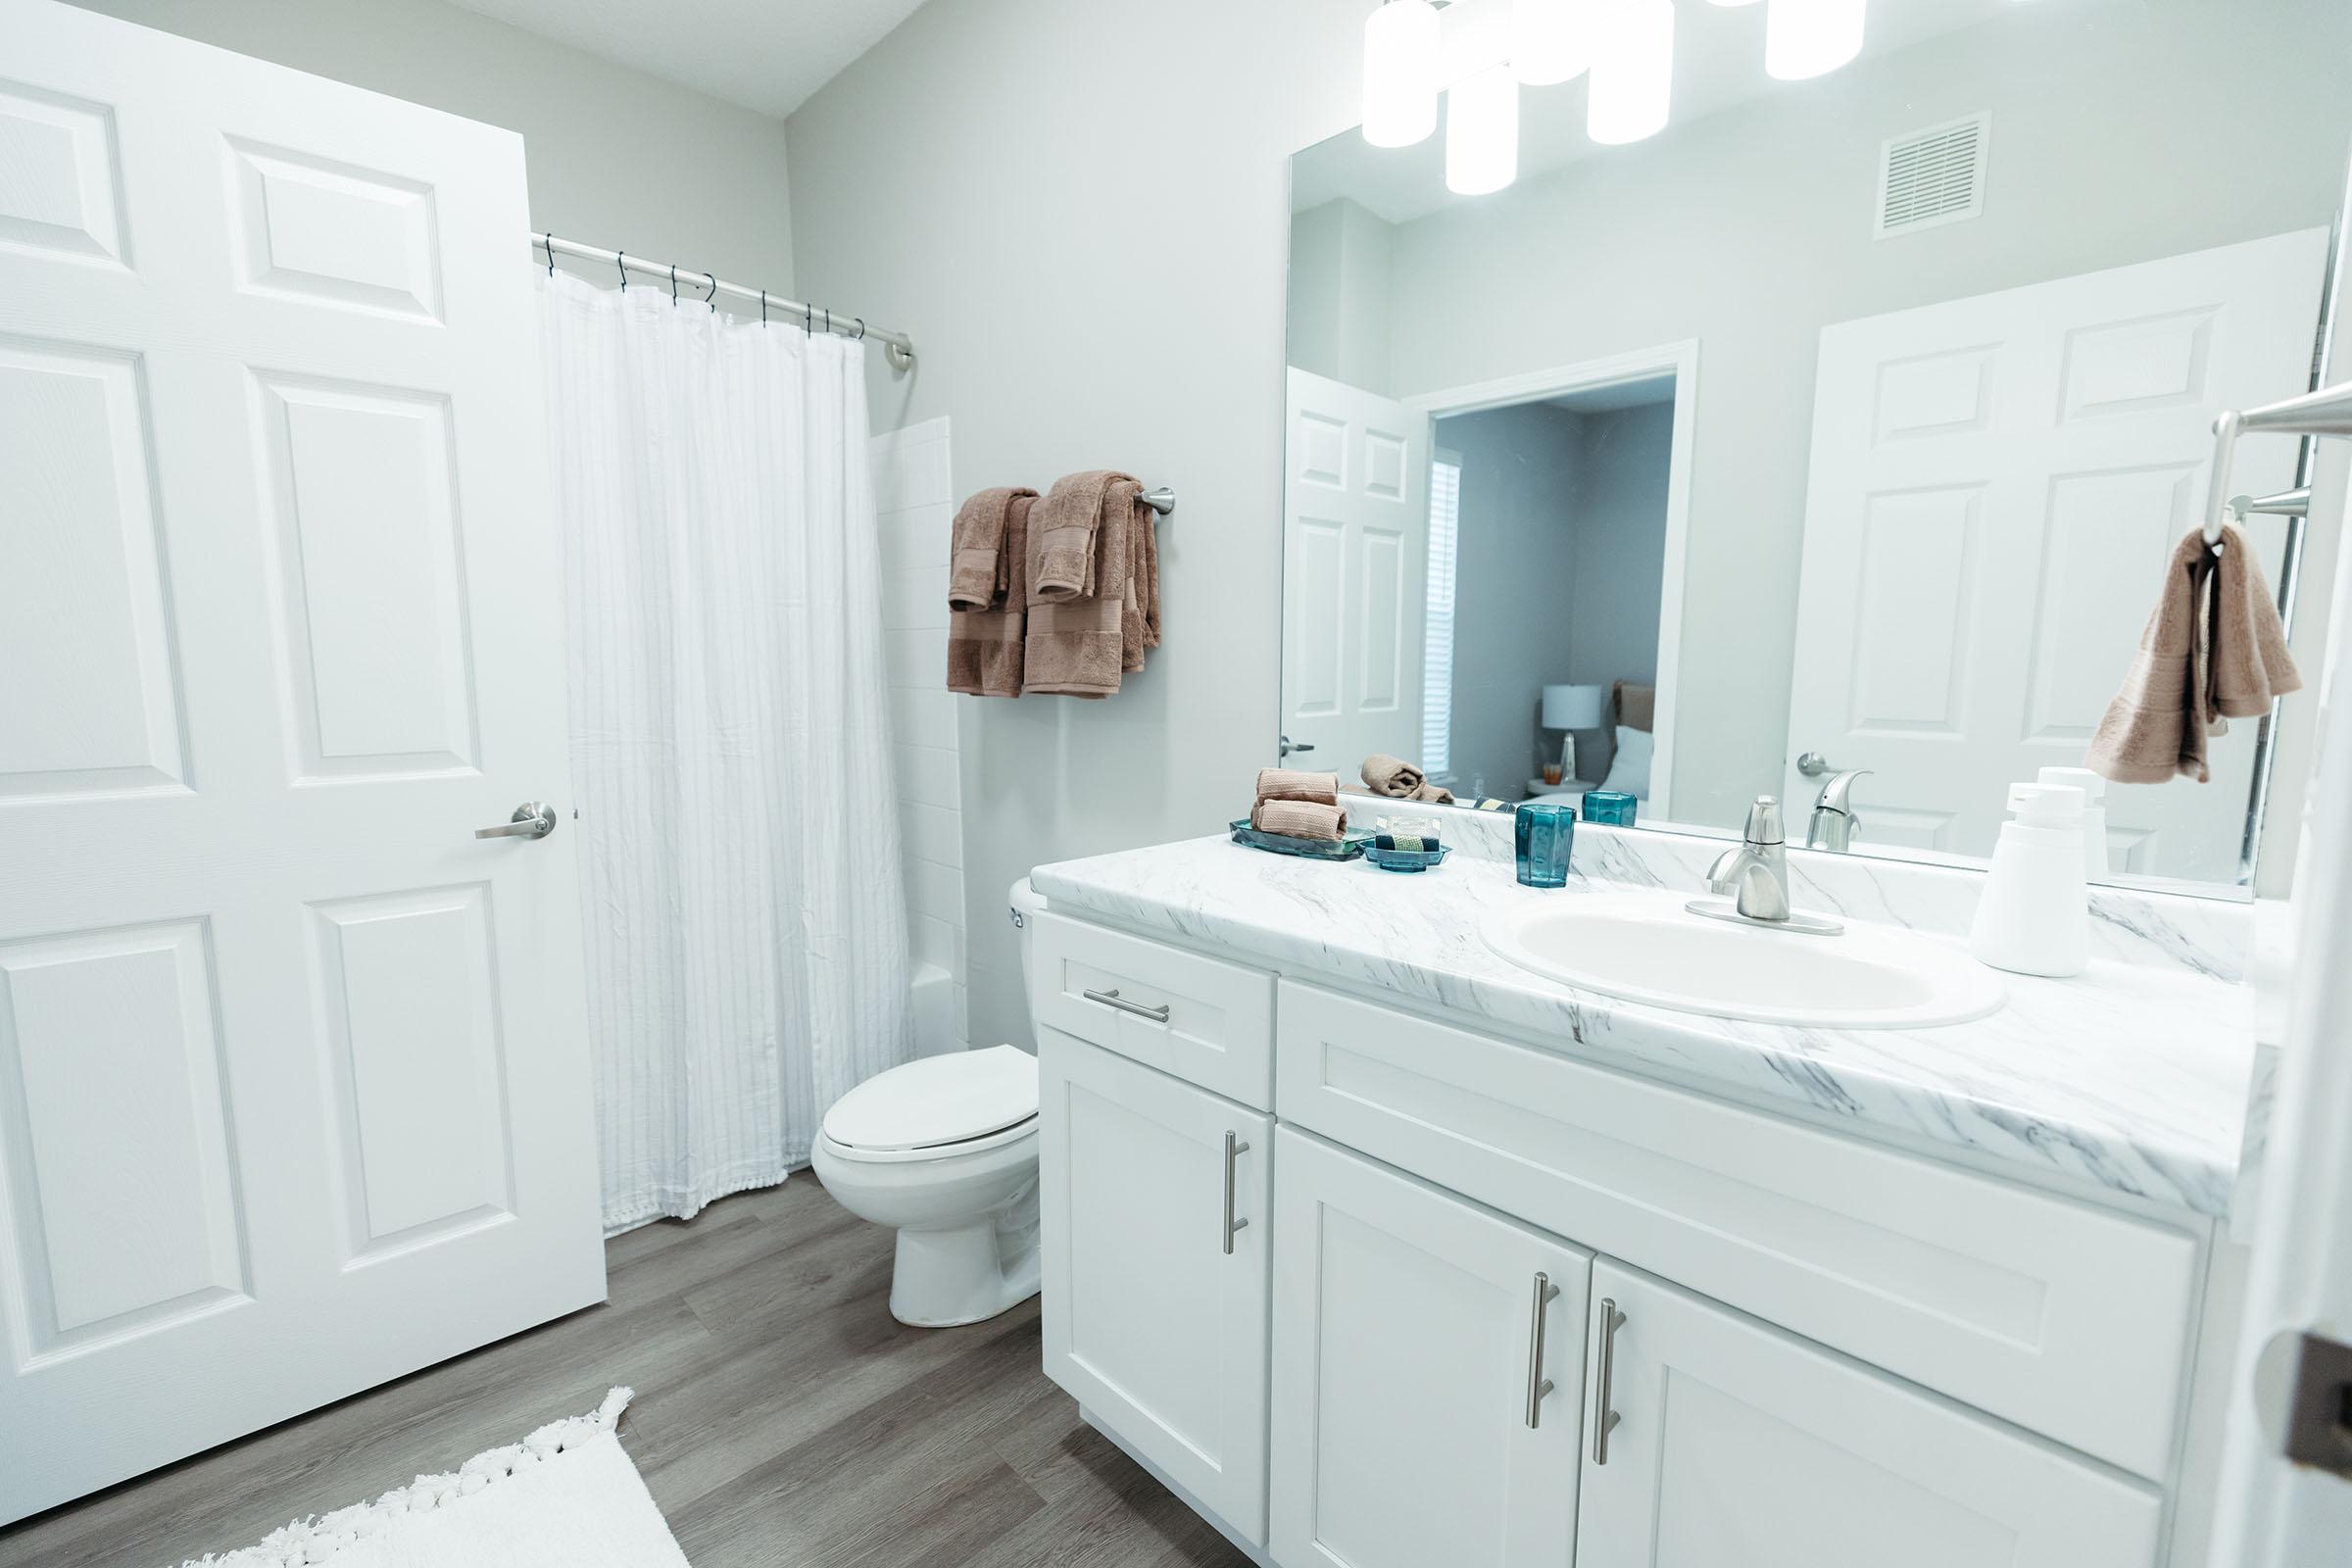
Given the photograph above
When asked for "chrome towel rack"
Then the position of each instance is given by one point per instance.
(2327, 412)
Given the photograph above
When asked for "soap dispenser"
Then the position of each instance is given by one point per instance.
(2034, 916)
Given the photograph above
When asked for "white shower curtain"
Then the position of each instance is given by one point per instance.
(744, 926)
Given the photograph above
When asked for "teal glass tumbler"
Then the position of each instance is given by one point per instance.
(1614, 806)
(1543, 836)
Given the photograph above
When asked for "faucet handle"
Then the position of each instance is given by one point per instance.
(1838, 794)
(1764, 822)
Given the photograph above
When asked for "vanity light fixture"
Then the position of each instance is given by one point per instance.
(1482, 132)
(1552, 41)
(1400, 73)
(1633, 70)
(1804, 38)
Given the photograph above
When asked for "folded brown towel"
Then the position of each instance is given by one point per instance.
(984, 645)
(2213, 639)
(1139, 616)
(2247, 663)
(1297, 784)
(1401, 780)
(1078, 646)
(1301, 819)
(1066, 533)
(980, 566)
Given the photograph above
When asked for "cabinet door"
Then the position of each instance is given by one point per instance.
(1735, 1444)
(1415, 1334)
(1155, 1228)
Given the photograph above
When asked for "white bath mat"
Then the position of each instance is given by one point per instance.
(565, 1497)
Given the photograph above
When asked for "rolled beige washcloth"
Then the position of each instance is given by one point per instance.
(1297, 784)
(1401, 780)
(1299, 819)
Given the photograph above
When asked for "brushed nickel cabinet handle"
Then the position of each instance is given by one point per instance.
(1611, 1320)
(1234, 1149)
(1112, 999)
(1539, 1387)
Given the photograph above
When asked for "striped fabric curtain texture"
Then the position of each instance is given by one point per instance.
(741, 908)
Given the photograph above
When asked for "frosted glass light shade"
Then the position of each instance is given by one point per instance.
(1804, 38)
(1482, 132)
(1574, 707)
(1633, 70)
(1552, 41)
(1400, 73)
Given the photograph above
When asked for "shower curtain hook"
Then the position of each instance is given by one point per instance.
(621, 260)
(860, 330)
(711, 299)
(828, 317)
(673, 282)
(550, 238)
(763, 307)
(808, 320)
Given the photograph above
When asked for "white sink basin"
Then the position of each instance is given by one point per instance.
(1646, 947)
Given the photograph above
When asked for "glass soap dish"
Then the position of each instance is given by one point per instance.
(1347, 847)
(1406, 859)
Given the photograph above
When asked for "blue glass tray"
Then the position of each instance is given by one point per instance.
(1406, 859)
(1348, 847)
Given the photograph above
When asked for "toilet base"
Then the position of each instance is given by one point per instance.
(946, 1277)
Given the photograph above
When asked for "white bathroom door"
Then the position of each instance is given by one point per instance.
(1354, 557)
(293, 1082)
(1997, 486)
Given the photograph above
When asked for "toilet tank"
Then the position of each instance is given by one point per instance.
(1024, 905)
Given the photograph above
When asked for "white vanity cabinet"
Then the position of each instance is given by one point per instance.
(1428, 1374)
(1154, 1209)
(1737, 1445)
(1368, 1330)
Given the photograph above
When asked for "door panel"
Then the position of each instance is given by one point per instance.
(1355, 552)
(1155, 1326)
(1401, 1371)
(293, 1093)
(1738, 1443)
(1996, 486)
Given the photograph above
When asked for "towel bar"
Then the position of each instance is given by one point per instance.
(1161, 499)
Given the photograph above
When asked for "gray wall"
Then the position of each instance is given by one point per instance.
(616, 157)
(1556, 575)
(1340, 293)
(1750, 231)
(1621, 472)
(1515, 565)
(1080, 213)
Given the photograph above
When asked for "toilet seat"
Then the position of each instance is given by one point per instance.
(960, 1103)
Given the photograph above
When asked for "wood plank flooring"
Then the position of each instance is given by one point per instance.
(783, 1420)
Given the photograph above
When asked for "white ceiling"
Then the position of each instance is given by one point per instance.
(767, 55)
(1718, 62)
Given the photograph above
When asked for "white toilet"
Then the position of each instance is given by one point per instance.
(944, 1150)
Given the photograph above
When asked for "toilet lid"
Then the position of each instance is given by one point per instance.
(940, 1100)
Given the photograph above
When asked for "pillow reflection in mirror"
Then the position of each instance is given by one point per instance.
(1630, 772)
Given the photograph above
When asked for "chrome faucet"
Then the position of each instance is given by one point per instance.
(1755, 877)
(1834, 821)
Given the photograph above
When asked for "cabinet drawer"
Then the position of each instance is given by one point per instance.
(1202, 1020)
(2063, 1318)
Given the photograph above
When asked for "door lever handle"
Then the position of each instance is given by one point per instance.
(533, 819)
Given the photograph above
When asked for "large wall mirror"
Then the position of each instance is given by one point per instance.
(1842, 424)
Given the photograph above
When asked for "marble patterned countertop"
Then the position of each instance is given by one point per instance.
(2128, 1079)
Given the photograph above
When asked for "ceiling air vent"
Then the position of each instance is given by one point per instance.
(1933, 176)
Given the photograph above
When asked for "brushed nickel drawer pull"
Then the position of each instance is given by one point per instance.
(1611, 1320)
(1539, 1387)
(1234, 1149)
(1112, 999)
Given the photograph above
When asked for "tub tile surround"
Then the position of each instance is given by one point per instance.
(913, 502)
(2129, 1081)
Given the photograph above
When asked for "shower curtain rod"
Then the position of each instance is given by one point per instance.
(899, 346)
